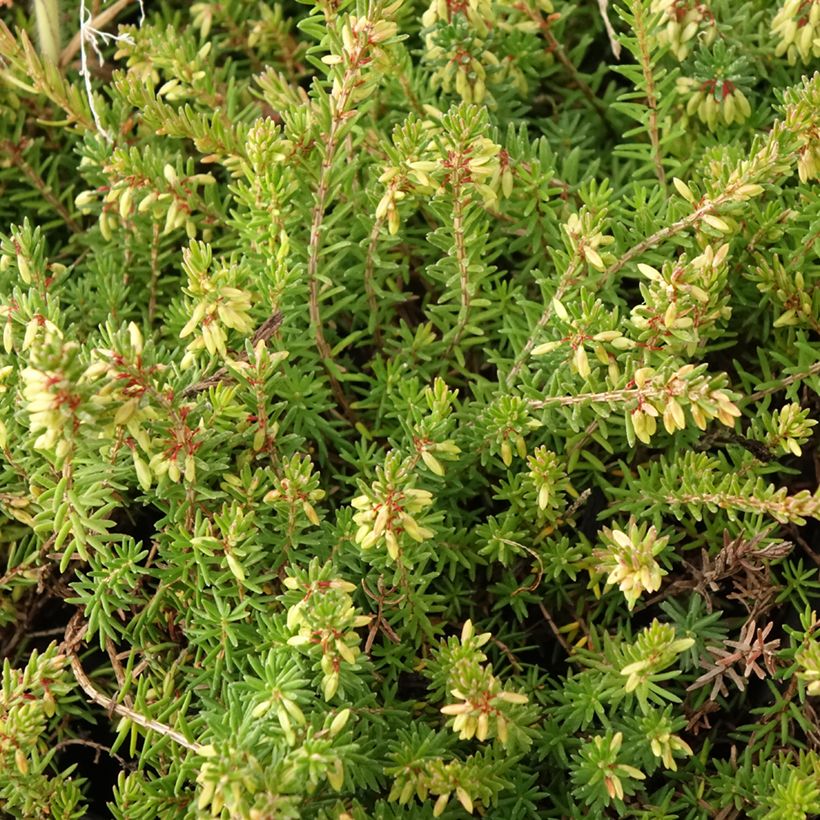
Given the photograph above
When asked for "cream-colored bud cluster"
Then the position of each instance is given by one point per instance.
(481, 712)
(734, 189)
(681, 22)
(30, 698)
(218, 305)
(227, 535)
(324, 622)
(212, 782)
(579, 341)
(548, 475)
(28, 269)
(432, 453)
(469, 65)
(465, 74)
(797, 27)
(202, 18)
(230, 308)
(481, 166)
(255, 371)
(50, 393)
(130, 197)
(138, 61)
(183, 86)
(423, 173)
(287, 711)
(715, 100)
(788, 291)
(483, 705)
(665, 745)
(665, 397)
(433, 776)
(387, 513)
(615, 771)
(476, 12)
(4, 373)
(178, 461)
(792, 427)
(357, 29)
(187, 72)
(683, 300)
(808, 158)
(628, 559)
(297, 489)
(23, 265)
(655, 648)
(7, 315)
(587, 242)
(361, 39)
(388, 204)
(125, 388)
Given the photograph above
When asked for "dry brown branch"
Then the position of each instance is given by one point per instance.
(74, 634)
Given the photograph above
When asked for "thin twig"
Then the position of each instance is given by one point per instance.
(651, 97)
(553, 626)
(264, 332)
(74, 634)
(604, 397)
(152, 290)
(411, 95)
(785, 382)
(79, 741)
(463, 269)
(15, 154)
(119, 672)
(546, 315)
(313, 282)
(369, 269)
(556, 48)
(538, 575)
(45, 633)
(690, 220)
(517, 668)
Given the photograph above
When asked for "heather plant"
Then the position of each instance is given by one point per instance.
(409, 410)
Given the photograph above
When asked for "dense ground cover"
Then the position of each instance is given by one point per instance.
(409, 411)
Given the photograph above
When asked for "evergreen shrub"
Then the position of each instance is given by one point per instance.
(409, 411)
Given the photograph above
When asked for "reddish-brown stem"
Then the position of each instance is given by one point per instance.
(463, 267)
(15, 154)
(369, 267)
(645, 59)
(338, 105)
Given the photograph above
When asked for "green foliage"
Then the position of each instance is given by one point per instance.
(410, 410)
